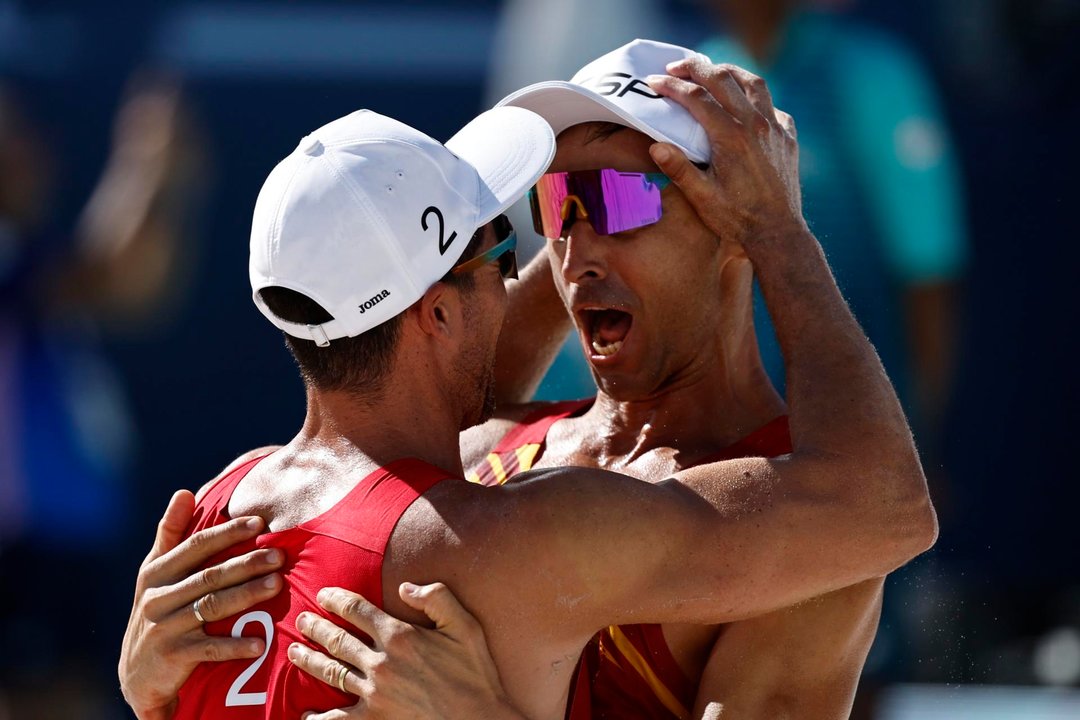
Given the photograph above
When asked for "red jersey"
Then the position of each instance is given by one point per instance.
(342, 547)
(629, 669)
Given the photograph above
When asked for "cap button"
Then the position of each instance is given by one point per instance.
(310, 145)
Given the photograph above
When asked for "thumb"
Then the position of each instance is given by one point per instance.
(673, 162)
(174, 523)
(438, 603)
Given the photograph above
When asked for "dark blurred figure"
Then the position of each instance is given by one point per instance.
(66, 438)
(1012, 67)
(881, 187)
(882, 192)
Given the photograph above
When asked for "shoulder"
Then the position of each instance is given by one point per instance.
(239, 461)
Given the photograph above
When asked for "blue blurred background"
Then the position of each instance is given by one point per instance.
(134, 138)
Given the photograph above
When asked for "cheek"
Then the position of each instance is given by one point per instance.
(554, 252)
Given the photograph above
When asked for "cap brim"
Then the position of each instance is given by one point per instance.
(510, 148)
(564, 104)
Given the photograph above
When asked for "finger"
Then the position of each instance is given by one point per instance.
(325, 668)
(199, 548)
(731, 86)
(173, 524)
(440, 605)
(216, 604)
(788, 123)
(214, 648)
(337, 641)
(695, 184)
(754, 87)
(701, 104)
(357, 610)
(357, 711)
(208, 581)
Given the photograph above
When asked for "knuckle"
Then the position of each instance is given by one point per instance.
(210, 606)
(697, 92)
(396, 640)
(211, 577)
(210, 651)
(352, 607)
(760, 125)
(337, 642)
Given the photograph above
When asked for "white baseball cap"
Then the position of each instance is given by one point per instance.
(612, 88)
(367, 213)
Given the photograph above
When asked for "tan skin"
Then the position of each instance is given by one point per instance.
(637, 577)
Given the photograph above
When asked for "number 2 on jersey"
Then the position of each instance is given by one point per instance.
(235, 697)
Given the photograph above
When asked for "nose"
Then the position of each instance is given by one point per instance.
(584, 253)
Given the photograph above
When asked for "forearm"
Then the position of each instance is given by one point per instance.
(535, 326)
(843, 405)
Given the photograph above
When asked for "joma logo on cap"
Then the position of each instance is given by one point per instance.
(618, 84)
(375, 300)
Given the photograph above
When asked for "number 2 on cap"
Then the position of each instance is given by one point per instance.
(444, 245)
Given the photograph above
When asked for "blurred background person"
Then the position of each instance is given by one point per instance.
(882, 189)
(66, 434)
(881, 185)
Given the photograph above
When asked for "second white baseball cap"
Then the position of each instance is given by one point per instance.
(367, 213)
(612, 88)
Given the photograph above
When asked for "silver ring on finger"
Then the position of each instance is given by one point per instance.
(198, 614)
(343, 672)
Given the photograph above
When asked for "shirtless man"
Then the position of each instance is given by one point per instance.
(671, 394)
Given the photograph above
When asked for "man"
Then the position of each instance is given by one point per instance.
(791, 274)
(802, 662)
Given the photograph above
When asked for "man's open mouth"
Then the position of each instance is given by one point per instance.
(605, 329)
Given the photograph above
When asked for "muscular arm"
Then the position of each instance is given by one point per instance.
(572, 550)
(798, 663)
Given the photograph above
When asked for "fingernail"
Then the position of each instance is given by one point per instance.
(660, 153)
(324, 596)
(253, 524)
(295, 651)
(655, 78)
(675, 63)
(409, 589)
(270, 582)
(273, 557)
(254, 647)
(303, 621)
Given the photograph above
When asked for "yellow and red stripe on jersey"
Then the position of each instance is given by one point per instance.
(631, 672)
(519, 448)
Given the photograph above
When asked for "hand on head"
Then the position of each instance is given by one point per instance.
(750, 188)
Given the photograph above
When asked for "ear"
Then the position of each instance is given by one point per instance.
(439, 312)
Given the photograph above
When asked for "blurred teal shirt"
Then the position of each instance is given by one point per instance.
(881, 187)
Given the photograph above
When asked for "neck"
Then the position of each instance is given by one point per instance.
(376, 431)
(718, 398)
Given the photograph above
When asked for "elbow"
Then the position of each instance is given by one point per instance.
(896, 512)
(911, 519)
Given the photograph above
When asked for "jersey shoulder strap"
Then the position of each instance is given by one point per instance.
(519, 448)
